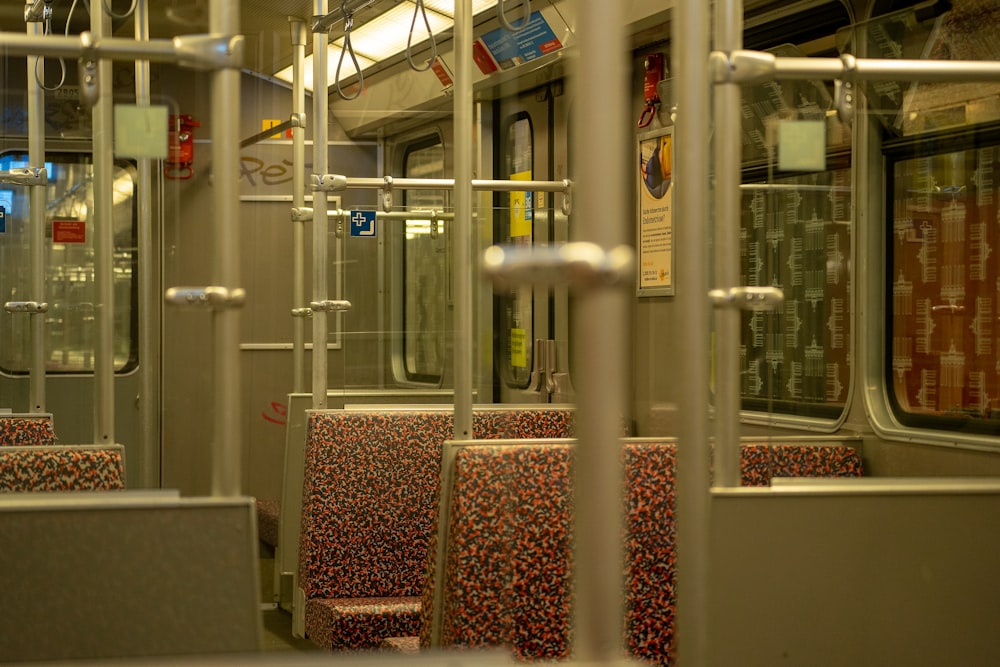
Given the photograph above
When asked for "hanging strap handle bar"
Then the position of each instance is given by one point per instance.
(111, 12)
(25, 176)
(40, 60)
(747, 298)
(30, 307)
(212, 296)
(330, 306)
(420, 9)
(578, 265)
(525, 19)
(349, 48)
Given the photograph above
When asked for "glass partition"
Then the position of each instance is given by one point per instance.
(70, 290)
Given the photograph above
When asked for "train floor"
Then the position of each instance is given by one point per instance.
(276, 622)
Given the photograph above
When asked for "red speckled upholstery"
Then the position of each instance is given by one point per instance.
(25, 430)
(760, 462)
(61, 468)
(370, 495)
(268, 512)
(510, 539)
(650, 560)
(507, 568)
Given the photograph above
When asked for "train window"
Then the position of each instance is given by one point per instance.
(796, 360)
(69, 261)
(425, 267)
(941, 143)
(942, 337)
(515, 223)
(796, 235)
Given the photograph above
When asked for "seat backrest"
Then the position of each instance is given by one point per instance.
(508, 511)
(26, 429)
(62, 468)
(371, 491)
(507, 577)
(762, 461)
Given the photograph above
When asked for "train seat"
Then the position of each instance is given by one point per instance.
(505, 580)
(371, 488)
(26, 429)
(62, 468)
(761, 461)
(268, 511)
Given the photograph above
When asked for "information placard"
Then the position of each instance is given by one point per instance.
(655, 232)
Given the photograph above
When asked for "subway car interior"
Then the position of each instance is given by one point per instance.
(576, 330)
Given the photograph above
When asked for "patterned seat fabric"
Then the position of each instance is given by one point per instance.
(761, 462)
(369, 500)
(268, 512)
(26, 430)
(57, 468)
(650, 560)
(360, 623)
(510, 539)
(507, 573)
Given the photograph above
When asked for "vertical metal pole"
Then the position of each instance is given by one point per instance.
(728, 147)
(320, 223)
(690, 56)
(463, 270)
(298, 29)
(104, 239)
(36, 219)
(599, 326)
(149, 300)
(227, 459)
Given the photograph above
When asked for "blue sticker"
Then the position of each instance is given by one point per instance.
(362, 223)
(3, 220)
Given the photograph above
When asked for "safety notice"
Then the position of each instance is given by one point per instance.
(69, 231)
(504, 50)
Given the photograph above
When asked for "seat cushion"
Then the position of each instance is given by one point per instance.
(360, 623)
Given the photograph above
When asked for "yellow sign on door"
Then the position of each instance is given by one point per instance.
(522, 211)
(518, 348)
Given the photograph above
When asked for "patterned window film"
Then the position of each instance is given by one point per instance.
(944, 286)
(796, 235)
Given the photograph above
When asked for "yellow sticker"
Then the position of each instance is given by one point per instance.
(522, 212)
(518, 348)
(268, 123)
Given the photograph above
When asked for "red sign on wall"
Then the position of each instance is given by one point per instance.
(69, 231)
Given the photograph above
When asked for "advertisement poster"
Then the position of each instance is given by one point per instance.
(655, 237)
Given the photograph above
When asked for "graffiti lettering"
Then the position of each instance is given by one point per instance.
(255, 170)
(278, 413)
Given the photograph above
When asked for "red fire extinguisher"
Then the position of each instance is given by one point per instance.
(654, 73)
(180, 147)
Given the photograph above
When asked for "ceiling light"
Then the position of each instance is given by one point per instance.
(384, 37)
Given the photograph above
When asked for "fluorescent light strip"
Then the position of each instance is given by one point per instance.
(447, 7)
(384, 37)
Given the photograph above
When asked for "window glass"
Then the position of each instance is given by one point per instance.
(796, 235)
(516, 222)
(425, 268)
(944, 288)
(70, 328)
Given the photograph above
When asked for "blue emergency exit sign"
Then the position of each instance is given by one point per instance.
(363, 223)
